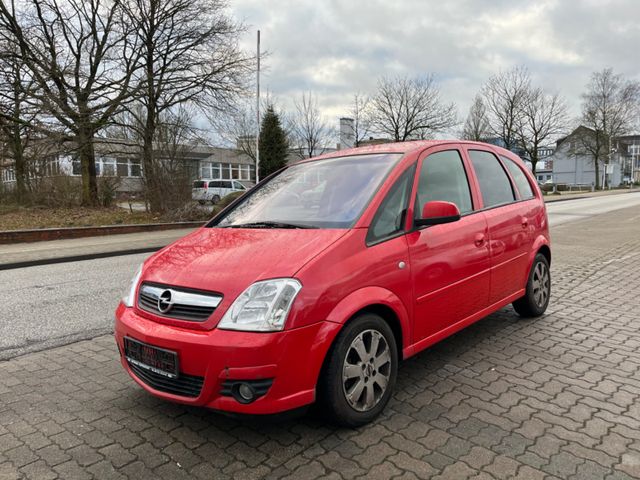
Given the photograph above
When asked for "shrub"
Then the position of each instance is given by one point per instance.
(226, 201)
(189, 212)
(58, 191)
(107, 190)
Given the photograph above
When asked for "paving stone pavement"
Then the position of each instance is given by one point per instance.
(554, 397)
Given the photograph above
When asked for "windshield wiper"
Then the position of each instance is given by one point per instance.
(268, 224)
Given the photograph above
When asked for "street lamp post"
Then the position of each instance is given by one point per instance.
(258, 111)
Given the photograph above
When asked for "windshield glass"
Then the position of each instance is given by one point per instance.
(328, 193)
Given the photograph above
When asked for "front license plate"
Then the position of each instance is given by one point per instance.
(155, 359)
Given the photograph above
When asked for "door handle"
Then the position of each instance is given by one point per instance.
(479, 240)
(525, 223)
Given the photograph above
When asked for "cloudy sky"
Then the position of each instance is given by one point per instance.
(337, 47)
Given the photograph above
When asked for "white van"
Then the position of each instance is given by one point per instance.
(213, 190)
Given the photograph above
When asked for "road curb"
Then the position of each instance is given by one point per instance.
(77, 258)
(581, 197)
(45, 234)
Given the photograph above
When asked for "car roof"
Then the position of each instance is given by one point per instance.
(404, 148)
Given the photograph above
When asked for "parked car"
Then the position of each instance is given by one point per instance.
(275, 304)
(213, 190)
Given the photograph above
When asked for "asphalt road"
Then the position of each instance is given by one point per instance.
(50, 305)
(570, 210)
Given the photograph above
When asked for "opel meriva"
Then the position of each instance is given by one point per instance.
(318, 281)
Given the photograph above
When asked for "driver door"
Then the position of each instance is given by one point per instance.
(450, 263)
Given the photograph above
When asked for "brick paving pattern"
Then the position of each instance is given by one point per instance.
(555, 397)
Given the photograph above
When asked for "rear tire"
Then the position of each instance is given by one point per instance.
(215, 199)
(536, 299)
(360, 372)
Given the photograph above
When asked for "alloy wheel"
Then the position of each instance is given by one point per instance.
(541, 284)
(366, 370)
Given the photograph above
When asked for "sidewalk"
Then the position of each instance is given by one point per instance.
(37, 253)
(577, 195)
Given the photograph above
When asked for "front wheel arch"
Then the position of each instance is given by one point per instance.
(382, 310)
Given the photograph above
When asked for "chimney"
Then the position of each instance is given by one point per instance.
(347, 133)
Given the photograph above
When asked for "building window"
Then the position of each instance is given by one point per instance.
(225, 171)
(134, 168)
(108, 167)
(122, 168)
(210, 170)
(76, 168)
(8, 175)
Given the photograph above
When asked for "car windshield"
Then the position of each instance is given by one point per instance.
(329, 193)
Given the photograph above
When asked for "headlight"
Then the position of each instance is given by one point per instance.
(130, 298)
(263, 307)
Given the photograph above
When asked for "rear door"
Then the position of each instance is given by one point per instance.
(198, 191)
(450, 262)
(509, 241)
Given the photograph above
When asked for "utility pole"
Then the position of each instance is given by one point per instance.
(258, 113)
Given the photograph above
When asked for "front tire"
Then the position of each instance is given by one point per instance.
(536, 299)
(361, 369)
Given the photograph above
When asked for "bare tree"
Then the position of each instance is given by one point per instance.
(504, 95)
(543, 118)
(610, 106)
(17, 116)
(81, 57)
(360, 113)
(410, 108)
(477, 127)
(189, 55)
(310, 132)
(241, 126)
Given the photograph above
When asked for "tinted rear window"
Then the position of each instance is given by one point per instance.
(519, 177)
(494, 183)
(198, 184)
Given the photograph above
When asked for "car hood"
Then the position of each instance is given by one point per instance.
(228, 260)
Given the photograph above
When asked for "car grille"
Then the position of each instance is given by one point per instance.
(184, 385)
(174, 302)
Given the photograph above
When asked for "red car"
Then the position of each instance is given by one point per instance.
(277, 303)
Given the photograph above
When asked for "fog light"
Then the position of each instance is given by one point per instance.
(244, 393)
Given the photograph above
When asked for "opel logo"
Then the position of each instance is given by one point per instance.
(165, 301)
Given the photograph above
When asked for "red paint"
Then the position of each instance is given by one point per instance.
(453, 275)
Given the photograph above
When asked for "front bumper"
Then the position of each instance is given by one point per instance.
(292, 358)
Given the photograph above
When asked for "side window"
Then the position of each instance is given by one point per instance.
(442, 177)
(390, 217)
(227, 185)
(494, 183)
(524, 187)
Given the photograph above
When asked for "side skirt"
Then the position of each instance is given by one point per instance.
(450, 330)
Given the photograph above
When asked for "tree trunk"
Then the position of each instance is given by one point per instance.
(87, 157)
(153, 193)
(17, 150)
(597, 171)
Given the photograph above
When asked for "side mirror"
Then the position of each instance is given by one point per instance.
(438, 212)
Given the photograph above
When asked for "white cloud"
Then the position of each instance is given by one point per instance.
(335, 48)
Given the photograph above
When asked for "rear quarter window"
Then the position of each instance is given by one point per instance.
(520, 179)
(198, 184)
(495, 185)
